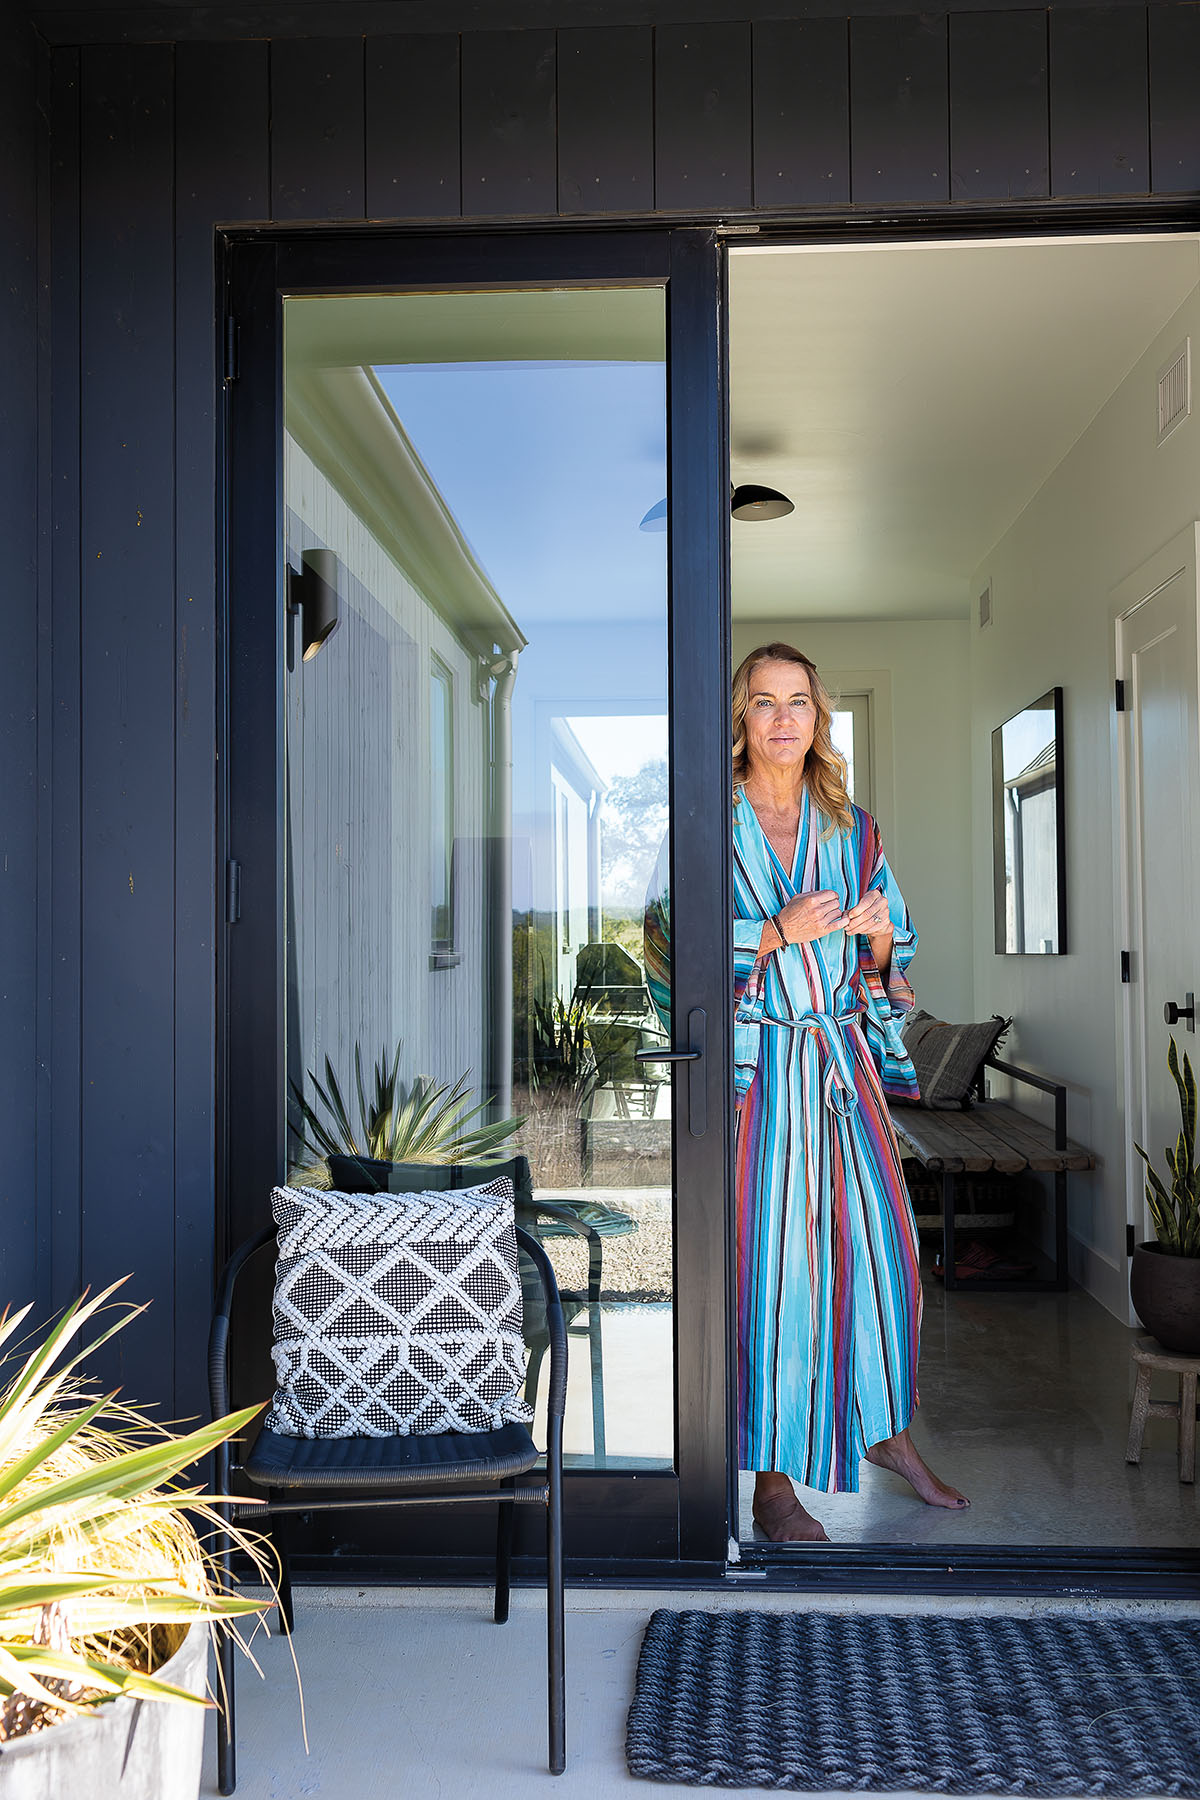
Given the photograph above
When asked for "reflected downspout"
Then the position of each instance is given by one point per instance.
(504, 672)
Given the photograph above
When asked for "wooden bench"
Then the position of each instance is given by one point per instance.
(993, 1137)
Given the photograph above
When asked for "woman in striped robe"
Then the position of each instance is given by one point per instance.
(829, 1291)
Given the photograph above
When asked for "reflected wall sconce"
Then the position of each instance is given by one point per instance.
(752, 503)
(313, 593)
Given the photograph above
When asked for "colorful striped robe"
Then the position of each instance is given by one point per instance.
(829, 1292)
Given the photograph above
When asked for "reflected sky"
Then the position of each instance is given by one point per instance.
(548, 468)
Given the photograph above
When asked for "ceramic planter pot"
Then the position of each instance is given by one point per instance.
(131, 1749)
(1166, 1296)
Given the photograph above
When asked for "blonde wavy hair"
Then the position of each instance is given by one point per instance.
(824, 767)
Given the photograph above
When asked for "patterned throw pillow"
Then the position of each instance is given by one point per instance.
(396, 1314)
(947, 1057)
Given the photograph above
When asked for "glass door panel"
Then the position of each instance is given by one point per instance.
(476, 791)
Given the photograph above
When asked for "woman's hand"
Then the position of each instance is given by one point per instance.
(811, 916)
(870, 915)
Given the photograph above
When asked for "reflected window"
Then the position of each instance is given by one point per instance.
(441, 769)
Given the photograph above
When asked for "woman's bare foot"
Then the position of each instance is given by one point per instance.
(901, 1456)
(780, 1516)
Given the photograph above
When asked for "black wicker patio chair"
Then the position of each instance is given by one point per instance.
(306, 1475)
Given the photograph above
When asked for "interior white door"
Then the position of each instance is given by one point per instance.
(1157, 660)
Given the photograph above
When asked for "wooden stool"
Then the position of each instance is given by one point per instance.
(1149, 1355)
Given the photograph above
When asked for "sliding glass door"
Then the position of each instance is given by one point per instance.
(477, 793)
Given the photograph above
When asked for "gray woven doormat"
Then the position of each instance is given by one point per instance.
(836, 1703)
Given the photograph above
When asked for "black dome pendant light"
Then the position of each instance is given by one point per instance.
(752, 503)
(747, 502)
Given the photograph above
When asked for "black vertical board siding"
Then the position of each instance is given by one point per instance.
(222, 171)
(702, 107)
(606, 120)
(508, 123)
(127, 433)
(899, 109)
(1099, 113)
(317, 146)
(999, 106)
(801, 112)
(60, 1161)
(413, 155)
(1174, 103)
(18, 666)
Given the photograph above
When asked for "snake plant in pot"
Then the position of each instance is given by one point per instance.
(106, 1590)
(1165, 1278)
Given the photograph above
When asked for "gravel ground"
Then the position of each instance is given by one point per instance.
(637, 1266)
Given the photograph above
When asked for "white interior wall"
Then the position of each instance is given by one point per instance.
(916, 672)
(1113, 500)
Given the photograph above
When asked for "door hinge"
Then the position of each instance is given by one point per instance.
(1119, 695)
(1130, 1240)
(1126, 973)
(233, 892)
(232, 334)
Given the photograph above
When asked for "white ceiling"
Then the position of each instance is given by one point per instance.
(911, 399)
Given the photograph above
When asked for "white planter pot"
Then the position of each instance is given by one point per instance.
(137, 1749)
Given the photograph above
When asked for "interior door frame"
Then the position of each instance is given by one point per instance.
(1179, 556)
(617, 1524)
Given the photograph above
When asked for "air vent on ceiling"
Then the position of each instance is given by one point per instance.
(985, 606)
(1175, 390)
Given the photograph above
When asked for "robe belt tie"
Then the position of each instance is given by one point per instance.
(829, 1033)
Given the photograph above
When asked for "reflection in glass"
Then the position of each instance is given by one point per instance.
(477, 769)
(1027, 827)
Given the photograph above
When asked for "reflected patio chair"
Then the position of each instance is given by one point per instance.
(608, 979)
(589, 1220)
(633, 1085)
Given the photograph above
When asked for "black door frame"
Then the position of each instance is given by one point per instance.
(618, 1524)
(712, 1473)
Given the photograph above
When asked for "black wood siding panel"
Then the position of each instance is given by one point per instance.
(128, 666)
(606, 120)
(317, 149)
(1099, 111)
(703, 150)
(19, 663)
(508, 123)
(801, 112)
(61, 1188)
(1175, 99)
(899, 109)
(999, 106)
(413, 157)
(222, 94)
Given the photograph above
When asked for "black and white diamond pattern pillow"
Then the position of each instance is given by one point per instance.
(396, 1313)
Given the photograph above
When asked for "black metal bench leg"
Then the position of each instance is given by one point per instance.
(504, 1539)
(1060, 1230)
(555, 1604)
(949, 1253)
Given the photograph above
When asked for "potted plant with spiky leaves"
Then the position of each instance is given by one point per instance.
(426, 1121)
(1165, 1277)
(106, 1590)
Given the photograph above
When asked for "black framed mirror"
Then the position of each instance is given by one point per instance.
(1029, 847)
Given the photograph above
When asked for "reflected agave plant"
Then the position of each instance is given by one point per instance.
(428, 1121)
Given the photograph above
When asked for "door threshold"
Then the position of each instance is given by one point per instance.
(1090, 1572)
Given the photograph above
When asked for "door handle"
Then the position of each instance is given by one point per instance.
(696, 1091)
(1172, 1012)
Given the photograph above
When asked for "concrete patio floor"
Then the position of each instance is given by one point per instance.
(414, 1693)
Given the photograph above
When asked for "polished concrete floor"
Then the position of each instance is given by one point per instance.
(414, 1693)
(1025, 1409)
